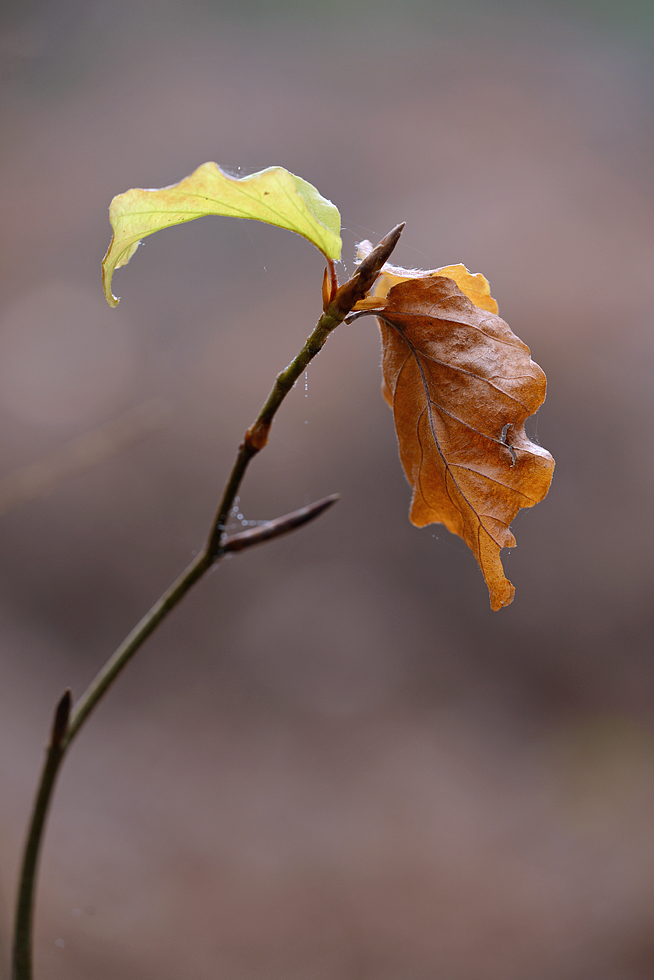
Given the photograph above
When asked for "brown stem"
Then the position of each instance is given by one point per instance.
(66, 725)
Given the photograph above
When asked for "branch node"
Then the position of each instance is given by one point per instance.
(256, 436)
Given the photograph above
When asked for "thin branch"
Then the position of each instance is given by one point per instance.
(256, 436)
(133, 642)
(192, 574)
(217, 545)
(281, 525)
(22, 954)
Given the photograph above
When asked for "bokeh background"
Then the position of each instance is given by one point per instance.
(333, 762)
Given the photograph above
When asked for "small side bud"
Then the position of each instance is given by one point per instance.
(326, 289)
(61, 716)
(256, 436)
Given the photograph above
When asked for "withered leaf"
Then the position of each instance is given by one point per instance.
(473, 284)
(461, 386)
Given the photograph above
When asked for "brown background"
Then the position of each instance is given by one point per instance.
(333, 761)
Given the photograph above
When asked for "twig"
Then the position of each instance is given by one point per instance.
(281, 525)
(256, 436)
(217, 545)
(22, 955)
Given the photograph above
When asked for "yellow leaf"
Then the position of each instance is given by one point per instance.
(274, 196)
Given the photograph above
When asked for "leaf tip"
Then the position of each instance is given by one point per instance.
(501, 595)
(112, 300)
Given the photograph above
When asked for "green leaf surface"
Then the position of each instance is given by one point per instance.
(274, 196)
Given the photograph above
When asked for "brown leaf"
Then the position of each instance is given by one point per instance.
(461, 385)
(474, 285)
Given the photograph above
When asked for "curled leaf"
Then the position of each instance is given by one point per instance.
(461, 386)
(274, 196)
(472, 284)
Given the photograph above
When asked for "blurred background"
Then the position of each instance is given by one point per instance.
(333, 762)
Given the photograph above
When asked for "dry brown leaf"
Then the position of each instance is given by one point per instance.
(473, 284)
(461, 386)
